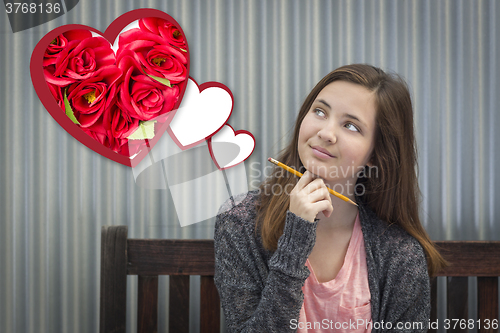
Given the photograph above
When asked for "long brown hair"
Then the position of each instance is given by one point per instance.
(394, 194)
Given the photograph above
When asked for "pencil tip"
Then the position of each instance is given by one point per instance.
(269, 159)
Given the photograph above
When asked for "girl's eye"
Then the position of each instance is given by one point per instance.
(352, 127)
(317, 111)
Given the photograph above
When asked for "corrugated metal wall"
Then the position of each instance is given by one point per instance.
(56, 194)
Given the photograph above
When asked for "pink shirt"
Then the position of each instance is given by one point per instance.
(342, 304)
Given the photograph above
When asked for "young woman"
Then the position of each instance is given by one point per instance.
(292, 257)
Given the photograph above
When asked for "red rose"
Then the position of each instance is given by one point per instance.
(80, 60)
(132, 147)
(61, 42)
(91, 97)
(121, 146)
(143, 97)
(58, 94)
(164, 29)
(119, 122)
(164, 61)
(155, 54)
(106, 139)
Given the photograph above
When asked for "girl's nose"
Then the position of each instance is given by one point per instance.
(328, 135)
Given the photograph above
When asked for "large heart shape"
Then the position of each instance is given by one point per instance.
(204, 111)
(117, 104)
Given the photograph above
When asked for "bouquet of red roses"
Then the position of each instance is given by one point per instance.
(118, 99)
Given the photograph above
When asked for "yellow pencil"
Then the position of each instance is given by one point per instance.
(298, 174)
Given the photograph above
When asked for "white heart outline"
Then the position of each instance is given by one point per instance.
(228, 134)
(182, 111)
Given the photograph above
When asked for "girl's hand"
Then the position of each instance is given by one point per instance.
(309, 197)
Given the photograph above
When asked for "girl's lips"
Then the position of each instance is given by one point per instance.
(320, 154)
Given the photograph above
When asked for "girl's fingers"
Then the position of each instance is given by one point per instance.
(314, 185)
(319, 194)
(327, 212)
(309, 197)
(323, 195)
(306, 178)
(323, 206)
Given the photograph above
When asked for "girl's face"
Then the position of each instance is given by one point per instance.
(341, 122)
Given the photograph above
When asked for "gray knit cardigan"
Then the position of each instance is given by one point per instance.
(261, 291)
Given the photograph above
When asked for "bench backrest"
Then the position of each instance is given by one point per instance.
(149, 258)
(469, 258)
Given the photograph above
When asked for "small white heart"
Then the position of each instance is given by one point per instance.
(227, 158)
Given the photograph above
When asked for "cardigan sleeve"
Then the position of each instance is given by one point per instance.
(260, 296)
(406, 293)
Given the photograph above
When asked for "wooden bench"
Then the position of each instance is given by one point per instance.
(149, 258)
(468, 258)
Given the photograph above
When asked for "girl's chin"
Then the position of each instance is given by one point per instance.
(323, 176)
(322, 171)
(330, 179)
